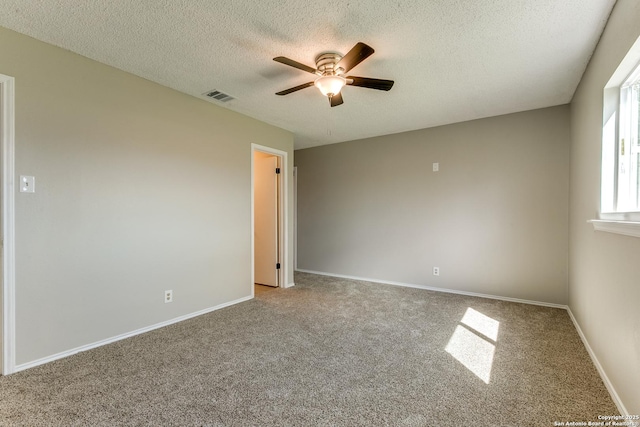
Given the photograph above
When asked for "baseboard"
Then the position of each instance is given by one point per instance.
(289, 285)
(596, 362)
(431, 288)
(100, 343)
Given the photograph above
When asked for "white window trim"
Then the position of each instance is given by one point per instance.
(627, 228)
(625, 223)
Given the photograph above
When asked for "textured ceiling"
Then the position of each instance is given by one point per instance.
(452, 60)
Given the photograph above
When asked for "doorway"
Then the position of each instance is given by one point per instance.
(268, 218)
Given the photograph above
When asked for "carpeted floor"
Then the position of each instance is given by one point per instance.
(327, 352)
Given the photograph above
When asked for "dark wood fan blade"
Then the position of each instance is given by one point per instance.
(295, 64)
(370, 83)
(336, 100)
(294, 89)
(356, 55)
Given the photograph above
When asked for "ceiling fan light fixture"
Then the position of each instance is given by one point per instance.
(332, 67)
(330, 85)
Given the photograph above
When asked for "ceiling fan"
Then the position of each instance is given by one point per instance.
(331, 67)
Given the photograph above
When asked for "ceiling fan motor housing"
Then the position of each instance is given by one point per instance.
(326, 63)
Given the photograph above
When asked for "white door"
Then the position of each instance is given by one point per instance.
(265, 219)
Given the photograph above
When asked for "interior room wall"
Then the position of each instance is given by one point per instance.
(604, 285)
(139, 189)
(494, 219)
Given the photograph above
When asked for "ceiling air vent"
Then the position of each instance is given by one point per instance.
(218, 96)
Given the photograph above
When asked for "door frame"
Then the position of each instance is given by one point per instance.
(283, 215)
(7, 212)
(295, 218)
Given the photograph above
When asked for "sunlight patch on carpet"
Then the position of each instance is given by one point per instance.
(473, 343)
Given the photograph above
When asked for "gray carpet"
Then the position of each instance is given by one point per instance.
(327, 352)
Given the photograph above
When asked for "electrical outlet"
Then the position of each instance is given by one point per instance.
(436, 167)
(168, 296)
(436, 271)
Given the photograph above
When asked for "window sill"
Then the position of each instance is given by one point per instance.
(628, 228)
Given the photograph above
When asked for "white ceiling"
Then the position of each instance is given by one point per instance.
(452, 60)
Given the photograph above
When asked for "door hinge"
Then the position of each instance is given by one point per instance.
(277, 170)
(277, 266)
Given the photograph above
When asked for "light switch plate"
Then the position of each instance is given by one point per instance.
(27, 184)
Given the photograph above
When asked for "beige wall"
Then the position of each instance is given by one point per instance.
(604, 287)
(139, 189)
(494, 218)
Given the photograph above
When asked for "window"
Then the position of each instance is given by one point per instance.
(621, 151)
(620, 186)
(629, 151)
